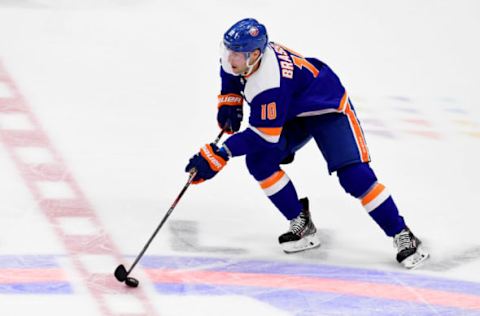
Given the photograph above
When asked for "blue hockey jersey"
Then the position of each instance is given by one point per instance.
(286, 85)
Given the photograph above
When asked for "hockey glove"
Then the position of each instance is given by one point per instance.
(230, 112)
(208, 162)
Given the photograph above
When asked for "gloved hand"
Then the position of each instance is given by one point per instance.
(208, 162)
(230, 112)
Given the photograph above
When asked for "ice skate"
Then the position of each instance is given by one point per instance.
(302, 234)
(410, 252)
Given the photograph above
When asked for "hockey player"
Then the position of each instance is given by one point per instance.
(293, 99)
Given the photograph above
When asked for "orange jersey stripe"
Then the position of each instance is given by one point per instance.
(343, 102)
(290, 50)
(271, 131)
(272, 179)
(358, 133)
(374, 192)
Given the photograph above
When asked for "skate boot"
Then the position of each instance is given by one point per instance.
(302, 234)
(410, 253)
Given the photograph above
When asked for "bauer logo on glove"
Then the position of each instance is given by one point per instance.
(230, 112)
(207, 163)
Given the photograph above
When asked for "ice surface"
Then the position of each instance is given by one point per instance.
(120, 93)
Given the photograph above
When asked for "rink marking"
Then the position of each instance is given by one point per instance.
(10, 106)
(39, 288)
(329, 286)
(58, 195)
(419, 123)
(260, 267)
(297, 283)
(32, 275)
(22, 138)
(427, 134)
(11, 275)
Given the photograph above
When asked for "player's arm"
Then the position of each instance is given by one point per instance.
(267, 116)
(268, 112)
(230, 102)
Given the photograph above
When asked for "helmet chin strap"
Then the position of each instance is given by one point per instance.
(252, 66)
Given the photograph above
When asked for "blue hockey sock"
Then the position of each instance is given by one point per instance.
(378, 202)
(360, 181)
(387, 217)
(282, 193)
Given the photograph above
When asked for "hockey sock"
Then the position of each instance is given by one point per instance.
(282, 193)
(360, 181)
(379, 204)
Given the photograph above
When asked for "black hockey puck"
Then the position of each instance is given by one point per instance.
(131, 282)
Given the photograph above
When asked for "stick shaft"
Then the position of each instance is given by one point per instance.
(170, 210)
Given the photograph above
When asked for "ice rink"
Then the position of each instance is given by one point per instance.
(102, 102)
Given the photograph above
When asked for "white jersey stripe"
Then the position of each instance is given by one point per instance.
(269, 138)
(318, 112)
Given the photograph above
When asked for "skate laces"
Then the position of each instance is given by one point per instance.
(298, 223)
(403, 240)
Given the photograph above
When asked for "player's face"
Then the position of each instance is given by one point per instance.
(238, 61)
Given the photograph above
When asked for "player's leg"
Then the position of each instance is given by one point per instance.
(340, 138)
(360, 181)
(265, 168)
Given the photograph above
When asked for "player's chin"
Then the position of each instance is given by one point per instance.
(236, 70)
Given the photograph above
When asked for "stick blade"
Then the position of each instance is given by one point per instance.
(121, 273)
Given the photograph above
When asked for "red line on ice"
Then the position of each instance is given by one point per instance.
(9, 276)
(315, 284)
(54, 208)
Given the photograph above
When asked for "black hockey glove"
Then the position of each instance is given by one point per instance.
(230, 112)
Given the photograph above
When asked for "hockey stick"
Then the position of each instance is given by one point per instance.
(121, 273)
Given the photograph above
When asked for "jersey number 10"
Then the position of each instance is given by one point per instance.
(269, 111)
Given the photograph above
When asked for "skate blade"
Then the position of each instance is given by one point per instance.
(417, 259)
(307, 242)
